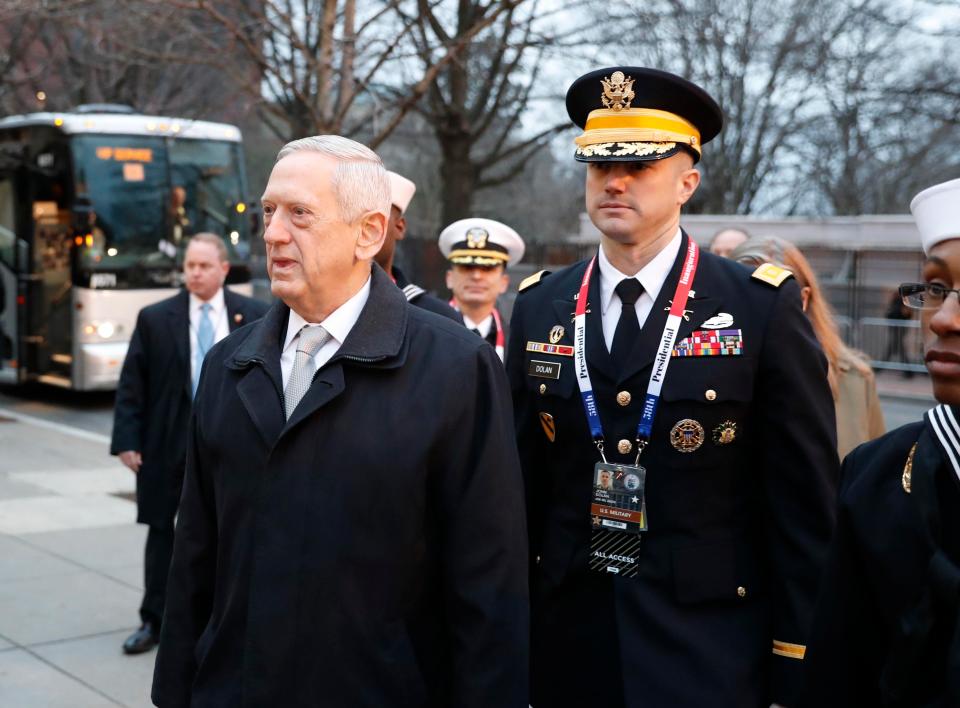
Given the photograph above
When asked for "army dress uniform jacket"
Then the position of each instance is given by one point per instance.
(155, 394)
(886, 632)
(370, 552)
(738, 528)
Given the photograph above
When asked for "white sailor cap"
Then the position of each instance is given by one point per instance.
(401, 191)
(482, 242)
(937, 213)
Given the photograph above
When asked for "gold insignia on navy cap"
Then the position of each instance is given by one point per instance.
(481, 242)
(636, 114)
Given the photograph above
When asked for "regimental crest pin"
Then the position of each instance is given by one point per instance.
(617, 91)
(725, 433)
(687, 435)
(549, 427)
(556, 334)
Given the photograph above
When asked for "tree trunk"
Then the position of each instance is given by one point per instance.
(458, 177)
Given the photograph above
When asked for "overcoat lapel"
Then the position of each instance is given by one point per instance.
(261, 383)
(180, 336)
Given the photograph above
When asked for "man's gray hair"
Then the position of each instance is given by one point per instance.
(360, 182)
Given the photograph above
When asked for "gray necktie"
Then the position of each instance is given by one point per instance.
(309, 342)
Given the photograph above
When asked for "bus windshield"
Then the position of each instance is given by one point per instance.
(144, 196)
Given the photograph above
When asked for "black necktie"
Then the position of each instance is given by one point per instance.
(628, 326)
(476, 331)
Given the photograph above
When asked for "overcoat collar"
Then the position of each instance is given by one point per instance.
(376, 340)
(179, 320)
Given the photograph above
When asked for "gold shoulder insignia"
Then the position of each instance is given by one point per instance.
(532, 280)
(771, 274)
(905, 478)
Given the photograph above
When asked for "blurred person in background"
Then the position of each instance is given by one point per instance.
(725, 240)
(859, 416)
(401, 192)
(886, 631)
(154, 399)
(896, 346)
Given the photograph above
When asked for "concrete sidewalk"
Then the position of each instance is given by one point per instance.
(894, 384)
(70, 573)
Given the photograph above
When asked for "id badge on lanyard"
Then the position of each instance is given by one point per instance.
(618, 512)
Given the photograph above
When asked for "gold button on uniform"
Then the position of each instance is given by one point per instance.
(741, 591)
(543, 389)
(624, 446)
(624, 398)
(710, 394)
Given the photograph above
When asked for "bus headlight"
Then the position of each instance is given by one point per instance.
(106, 329)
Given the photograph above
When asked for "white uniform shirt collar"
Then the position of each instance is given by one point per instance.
(338, 323)
(483, 326)
(652, 276)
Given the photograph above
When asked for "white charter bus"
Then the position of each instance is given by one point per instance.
(96, 205)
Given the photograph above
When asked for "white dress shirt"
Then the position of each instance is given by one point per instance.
(483, 327)
(338, 325)
(218, 316)
(651, 277)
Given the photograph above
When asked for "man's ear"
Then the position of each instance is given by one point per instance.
(373, 229)
(504, 281)
(689, 180)
(225, 267)
(401, 224)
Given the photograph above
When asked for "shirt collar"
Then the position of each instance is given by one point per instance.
(338, 323)
(216, 303)
(483, 326)
(652, 276)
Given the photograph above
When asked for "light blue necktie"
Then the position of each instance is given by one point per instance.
(204, 342)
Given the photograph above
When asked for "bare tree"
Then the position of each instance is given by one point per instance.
(61, 53)
(892, 122)
(318, 65)
(476, 105)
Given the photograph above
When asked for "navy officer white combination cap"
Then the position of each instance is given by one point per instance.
(401, 191)
(937, 213)
(481, 242)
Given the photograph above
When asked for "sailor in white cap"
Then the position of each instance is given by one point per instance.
(401, 192)
(479, 251)
(887, 628)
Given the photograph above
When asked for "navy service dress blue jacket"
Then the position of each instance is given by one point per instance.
(738, 528)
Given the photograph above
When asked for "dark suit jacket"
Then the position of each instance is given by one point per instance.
(154, 394)
(421, 298)
(737, 530)
(865, 649)
(368, 553)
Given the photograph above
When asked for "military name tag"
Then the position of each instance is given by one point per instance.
(544, 369)
(617, 516)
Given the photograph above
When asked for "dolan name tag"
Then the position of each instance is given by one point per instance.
(618, 517)
(544, 369)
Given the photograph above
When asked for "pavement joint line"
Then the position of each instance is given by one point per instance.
(69, 675)
(57, 427)
(71, 561)
(78, 638)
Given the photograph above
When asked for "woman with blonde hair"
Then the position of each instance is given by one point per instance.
(859, 417)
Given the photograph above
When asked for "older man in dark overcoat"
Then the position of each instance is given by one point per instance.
(153, 402)
(351, 531)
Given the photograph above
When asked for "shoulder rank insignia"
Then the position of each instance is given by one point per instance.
(532, 280)
(771, 274)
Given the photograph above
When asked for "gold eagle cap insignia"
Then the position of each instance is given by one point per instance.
(477, 237)
(617, 91)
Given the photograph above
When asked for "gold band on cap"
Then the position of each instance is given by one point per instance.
(645, 125)
(472, 254)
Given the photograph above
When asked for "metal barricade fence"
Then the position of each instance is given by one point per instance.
(890, 344)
